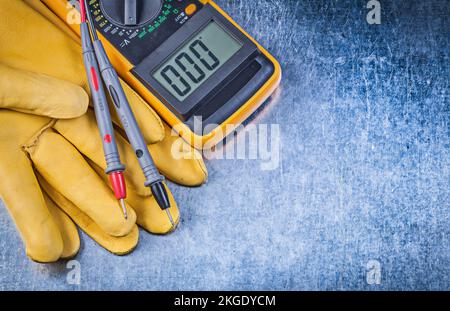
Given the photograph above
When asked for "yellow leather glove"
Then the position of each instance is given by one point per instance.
(70, 183)
(42, 74)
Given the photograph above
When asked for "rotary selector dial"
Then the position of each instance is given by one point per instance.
(130, 13)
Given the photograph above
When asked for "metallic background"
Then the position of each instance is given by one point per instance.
(363, 175)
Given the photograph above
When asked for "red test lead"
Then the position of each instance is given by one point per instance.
(114, 166)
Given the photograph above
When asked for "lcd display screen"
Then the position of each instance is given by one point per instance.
(197, 60)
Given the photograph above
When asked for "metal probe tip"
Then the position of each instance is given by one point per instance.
(124, 208)
(170, 217)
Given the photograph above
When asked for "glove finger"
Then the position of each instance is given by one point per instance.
(67, 171)
(116, 245)
(149, 122)
(168, 156)
(39, 94)
(25, 203)
(151, 217)
(53, 52)
(68, 230)
(77, 130)
(149, 214)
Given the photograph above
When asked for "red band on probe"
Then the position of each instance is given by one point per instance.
(82, 11)
(94, 78)
(107, 138)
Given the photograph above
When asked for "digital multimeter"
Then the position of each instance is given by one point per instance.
(187, 58)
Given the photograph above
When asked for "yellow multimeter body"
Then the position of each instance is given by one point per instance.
(198, 69)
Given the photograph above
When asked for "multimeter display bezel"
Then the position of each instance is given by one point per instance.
(184, 109)
(206, 52)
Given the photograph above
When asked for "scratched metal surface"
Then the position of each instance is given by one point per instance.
(364, 174)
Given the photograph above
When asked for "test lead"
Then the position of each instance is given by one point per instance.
(114, 168)
(154, 179)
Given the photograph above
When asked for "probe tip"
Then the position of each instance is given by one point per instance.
(124, 209)
(170, 217)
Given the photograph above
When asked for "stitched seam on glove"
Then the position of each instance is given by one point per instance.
(29, 147)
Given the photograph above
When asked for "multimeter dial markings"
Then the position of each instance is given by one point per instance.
(138, 27)
(130, 13)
